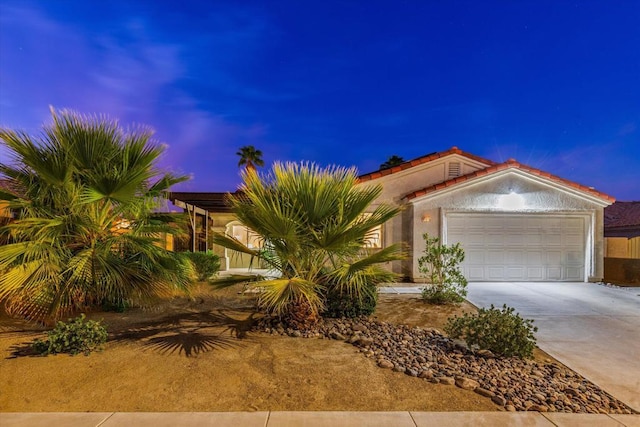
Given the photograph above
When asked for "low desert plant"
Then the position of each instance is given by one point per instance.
(74, 336)
(351, 306)
(205, 264)
(503, 332)
(441, 266)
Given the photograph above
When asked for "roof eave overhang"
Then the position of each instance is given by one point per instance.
(520, 173)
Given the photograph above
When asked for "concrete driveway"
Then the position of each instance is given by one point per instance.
(591, 328)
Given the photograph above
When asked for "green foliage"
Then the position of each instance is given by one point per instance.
(250, 157)
(392, 161)
(314, 230)
(87, 230)
(205, 264)
(441, 266)
(339, 305)
(75, 336)
(501, 331)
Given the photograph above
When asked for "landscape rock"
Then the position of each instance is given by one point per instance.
(385, 364)
(513, 384)
(499, 400)
(337, 336)
(447, 380)
(364, 341)
(484, 392)
(467, 383)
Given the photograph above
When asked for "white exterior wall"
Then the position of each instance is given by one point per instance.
(397, 185)
(485, 196)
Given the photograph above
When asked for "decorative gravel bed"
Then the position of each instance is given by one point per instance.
(512, 383)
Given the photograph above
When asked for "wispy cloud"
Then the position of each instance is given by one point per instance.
(128, 70)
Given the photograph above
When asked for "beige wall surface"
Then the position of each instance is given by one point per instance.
(538, 196)
(616, 247)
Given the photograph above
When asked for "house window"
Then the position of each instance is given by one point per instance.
(373, 239)
(246, 236)
(454, 169)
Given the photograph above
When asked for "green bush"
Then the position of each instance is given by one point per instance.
(75, 336)
(116, 305)
(206, 264)
(501, 331)
(345, 305)
(441, 266)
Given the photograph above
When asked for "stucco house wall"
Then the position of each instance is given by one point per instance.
(436, 189)
(429, 211)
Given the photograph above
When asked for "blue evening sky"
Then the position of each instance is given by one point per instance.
(552, 83)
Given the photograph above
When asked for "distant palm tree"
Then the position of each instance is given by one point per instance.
(250, 157)
(86, 230)
(391, 162)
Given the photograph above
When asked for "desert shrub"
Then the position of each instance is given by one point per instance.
(86, 193)
(440, 264)
(315, 224)
(345, 305)
(116, 305)
(205, 264)
(74, 336)
(501, 331)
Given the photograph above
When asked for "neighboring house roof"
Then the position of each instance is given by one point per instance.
(509, 164)
(421, 160)
(622, 214)
(622, 219)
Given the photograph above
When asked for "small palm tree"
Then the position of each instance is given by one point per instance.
(315, 225)
(392, 161)
(86, 231)
(250, 157)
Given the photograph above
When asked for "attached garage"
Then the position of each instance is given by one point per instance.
(520, 247)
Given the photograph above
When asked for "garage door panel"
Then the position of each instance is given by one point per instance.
(572, 273)
(554, 273)
(514, 258)
(519, 247)
(535, 273)
(553, 239)
(475, 273)
(515, 273)
(535, 258)
(495, 273)
(554, 258)
(494, 257)
(474, 257)
(573, 258)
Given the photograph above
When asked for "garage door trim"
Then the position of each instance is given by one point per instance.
(515, 274)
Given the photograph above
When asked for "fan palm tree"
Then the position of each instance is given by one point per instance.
(86, 232)
(315, 229)
(250, 157)
(392, 161)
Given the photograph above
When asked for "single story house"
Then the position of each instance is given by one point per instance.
(515, 222)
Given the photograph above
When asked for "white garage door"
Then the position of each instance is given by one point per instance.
(512, 247)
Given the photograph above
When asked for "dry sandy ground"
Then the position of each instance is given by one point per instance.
(198, 355)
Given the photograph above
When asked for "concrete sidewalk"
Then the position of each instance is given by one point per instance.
(313, 419)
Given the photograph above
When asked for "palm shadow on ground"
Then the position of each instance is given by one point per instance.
(191, 333)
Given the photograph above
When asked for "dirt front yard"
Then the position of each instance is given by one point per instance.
(198, 354)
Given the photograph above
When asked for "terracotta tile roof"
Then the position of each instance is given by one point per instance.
(509, 164)
(420, 160)
(622, 214)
